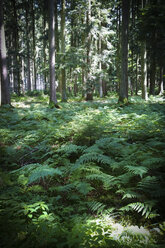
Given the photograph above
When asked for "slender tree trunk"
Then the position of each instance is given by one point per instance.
(53, 98)
(100, 69)
(123, 92)
(34, 46)
(89, 90)
(56, 28)
(144, 71)
(118, 59)
(5, 88)
(161, 88)
(152, 75)
(28, 48)
(44, 46)
(63, 72)
(16, 52)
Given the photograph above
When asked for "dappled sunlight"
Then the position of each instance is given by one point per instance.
(87, 174)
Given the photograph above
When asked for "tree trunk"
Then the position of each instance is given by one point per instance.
(28, 48)
(34, 46)
(161, 88)
(89, 90)
(100, 69)
(152, 74)
(44, 46)
(123, 92)
(144, 71)
(63, 72)
(16, 53)
(53, 98)
(5, 88)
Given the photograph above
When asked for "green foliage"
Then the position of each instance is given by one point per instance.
(66, 171)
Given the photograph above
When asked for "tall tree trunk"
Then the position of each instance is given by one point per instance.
(34, 46)
(28, 48)
(123, 92)
(16, 52)
(89, 90)
(152, 74)
(100, 68)
(44, 45)
(144, 71)
(63, 72)
(5, 88)
(118, 58)
(56, 28)
(53, 98)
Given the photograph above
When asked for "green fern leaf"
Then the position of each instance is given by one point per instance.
(42, 172)
(137, 170)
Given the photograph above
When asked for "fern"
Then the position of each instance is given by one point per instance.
(68, 149)
(148, 182)
(107, 180)
(128, 193)
(137, 170)
(43, 172)
(83, 187)
(97, 207)
(144, 208)
(99, 158)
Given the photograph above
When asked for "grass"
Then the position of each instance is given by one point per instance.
(90, 174)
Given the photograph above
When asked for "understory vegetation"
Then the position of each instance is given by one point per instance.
(87, 174)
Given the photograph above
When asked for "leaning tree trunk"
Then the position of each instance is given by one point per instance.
(123, 92)
(5, 88)
(53, 98)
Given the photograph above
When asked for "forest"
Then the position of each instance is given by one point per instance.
(82, 123)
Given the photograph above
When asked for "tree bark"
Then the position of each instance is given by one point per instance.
(123, 92)
(161, 85)
(16, 71)
(34, 47)
(5, 88)
(89, 90)
(53, 98)
(28, 48)
(144, 71)
(63, 72)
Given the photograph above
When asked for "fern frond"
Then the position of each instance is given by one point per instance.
(71, 148)
(42, 172)
(97, 207)
(94, 149)
(65, 188)
(89, 157)
(144, 208)
(148, 182)
(137, 170)
(107, 180)
(27, 168)
(128, 194)
(84, 187)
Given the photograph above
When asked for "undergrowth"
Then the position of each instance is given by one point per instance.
(83, 175)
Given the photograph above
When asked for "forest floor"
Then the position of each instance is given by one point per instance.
(89, 174)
